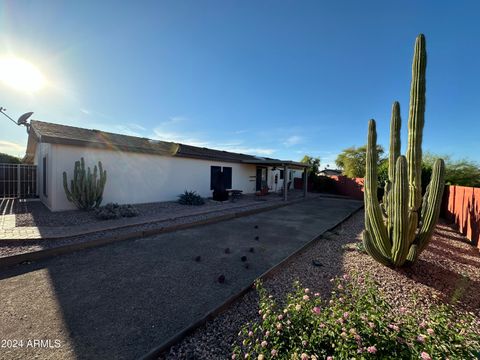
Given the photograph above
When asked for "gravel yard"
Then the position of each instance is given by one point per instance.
(121, 300)
(34, 213)
(448, 270)
(170, 213)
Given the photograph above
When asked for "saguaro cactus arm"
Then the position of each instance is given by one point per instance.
(416, 120)
(375, 226)
(399, 210)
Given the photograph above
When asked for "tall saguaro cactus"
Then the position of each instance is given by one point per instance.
(86, 188)
(399, 233)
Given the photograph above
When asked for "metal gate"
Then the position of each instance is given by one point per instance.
(18, 181)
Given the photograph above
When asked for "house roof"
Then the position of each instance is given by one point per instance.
(69, 135)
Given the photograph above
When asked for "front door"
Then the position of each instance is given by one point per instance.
(261, 178)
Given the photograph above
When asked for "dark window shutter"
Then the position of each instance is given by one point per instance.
(281, 174)
(214, 171)
(227, 175)
(44, 175)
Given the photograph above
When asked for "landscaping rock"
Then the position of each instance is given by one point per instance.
(227, 251)
(198, 258)
(221, 279)
(243, 258)
(251, 250)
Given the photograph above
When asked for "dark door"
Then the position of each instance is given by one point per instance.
(261, 178)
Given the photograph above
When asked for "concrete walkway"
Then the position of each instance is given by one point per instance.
(120, 301)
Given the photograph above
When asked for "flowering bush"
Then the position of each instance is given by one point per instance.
(356, 323)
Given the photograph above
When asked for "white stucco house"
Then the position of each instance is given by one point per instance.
(141, 170)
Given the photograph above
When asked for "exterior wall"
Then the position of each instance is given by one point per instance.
(140, 178)
(278, 187)
(44, 150)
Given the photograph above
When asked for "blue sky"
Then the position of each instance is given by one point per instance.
(274, 78)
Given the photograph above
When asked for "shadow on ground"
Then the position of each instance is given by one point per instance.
(121, 300)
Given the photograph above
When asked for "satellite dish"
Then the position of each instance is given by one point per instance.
(22, 120)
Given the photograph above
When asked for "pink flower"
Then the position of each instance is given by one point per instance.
(346, 314)
(259, 312)
(317, 294)
(307, 291)
(371, 325)
(357, 337)
(234, 356)
(280, 317)
(322, 325)
(340, 286)
(267, 334)
(264, 343)
(274, 352)
(425, 356)
(261, 357)
(421, 339)
(402, 310)
(329, 357)
(422, 324)
(279, 326)
(343, 334)
(304, 343)
(250, 333)
(316, 310)
(304, 356)
(430, 332)
(306, 297)
(346, 277)
(372, 349)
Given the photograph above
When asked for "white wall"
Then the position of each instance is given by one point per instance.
(44, 150)
(138, 178)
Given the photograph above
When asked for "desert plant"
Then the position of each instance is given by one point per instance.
(114, 211)
(356, 322)
(86, 188)
(396, 233)
(190, 198)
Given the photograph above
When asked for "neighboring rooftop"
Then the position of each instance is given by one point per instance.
(70, 135)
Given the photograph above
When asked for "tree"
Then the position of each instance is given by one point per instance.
(9, 159)
(353, 160)
(314, 165)
(461, 172)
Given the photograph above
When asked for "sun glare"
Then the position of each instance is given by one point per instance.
(21, 75)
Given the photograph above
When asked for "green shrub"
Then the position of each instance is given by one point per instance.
(190, 198)
(356, 323)
(323, 184)
(114, 211)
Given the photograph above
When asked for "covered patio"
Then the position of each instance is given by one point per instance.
(285, 166)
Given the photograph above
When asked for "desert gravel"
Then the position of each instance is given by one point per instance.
(447, 270)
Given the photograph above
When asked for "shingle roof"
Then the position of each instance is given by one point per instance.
(70, 135)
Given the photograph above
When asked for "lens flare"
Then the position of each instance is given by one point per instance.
(21, 75)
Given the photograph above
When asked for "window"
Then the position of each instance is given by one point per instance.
(227, 172)
(44, 176)
(227, 176)
(281, 174)
(214, 171)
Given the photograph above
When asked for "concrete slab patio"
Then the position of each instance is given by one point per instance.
(121, 300)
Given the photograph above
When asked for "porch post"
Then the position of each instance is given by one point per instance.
(305, 182)
(285, 179)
